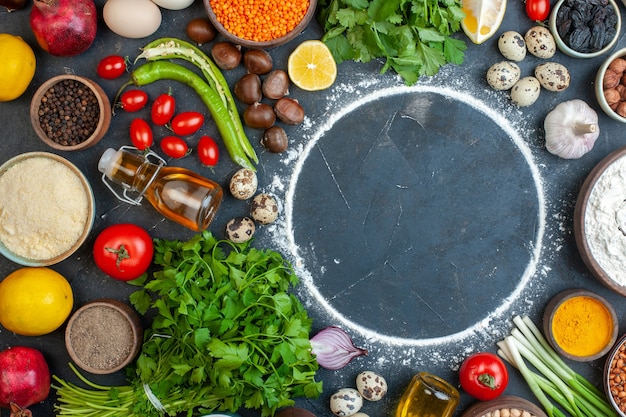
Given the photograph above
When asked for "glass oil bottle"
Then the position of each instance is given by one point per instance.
(177, 193)
(428, 396)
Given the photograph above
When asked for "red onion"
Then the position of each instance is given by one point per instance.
(333, 348)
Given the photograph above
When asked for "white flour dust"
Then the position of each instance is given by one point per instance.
(345, 98)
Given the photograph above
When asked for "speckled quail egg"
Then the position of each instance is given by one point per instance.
(540, 42)
(371, 386)
(503, 75)
(264, 208)
(240, 229)
(512, 46)
(552, 76)
(243, 184)
(346, 402)
(526, 91)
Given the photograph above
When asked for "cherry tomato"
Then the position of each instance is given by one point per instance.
(111, 67)
(141, 134)
(208, 152)
(123, 251)
(187, 123)
(538, 10)
(133, 100)
(484, 376)
(174, 146)
(163, 109)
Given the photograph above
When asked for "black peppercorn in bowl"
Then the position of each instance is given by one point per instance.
(70, 112)
(584, 29)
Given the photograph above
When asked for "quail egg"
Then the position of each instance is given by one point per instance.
(552, 76)
(540, 42)
(526, 91)
(360, 415)
(371, 386)
(346, 402)
(512, 46)
(243, 184)
(503, 75)
(240, 229)
(264, 208)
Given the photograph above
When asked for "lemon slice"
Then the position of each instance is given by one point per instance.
(482, 18)
(311, 66)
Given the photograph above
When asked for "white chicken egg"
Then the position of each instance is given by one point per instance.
(132, 18)
(503, 75)
(512, 46)
(346, 402)
(174, 4)
(526, 91)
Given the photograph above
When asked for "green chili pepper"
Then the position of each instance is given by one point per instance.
(169, 48)
(159, 70)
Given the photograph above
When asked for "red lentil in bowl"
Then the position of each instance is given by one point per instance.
(260, 23)
(70, 112)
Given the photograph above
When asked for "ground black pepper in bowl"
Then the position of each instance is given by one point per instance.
(70, 112)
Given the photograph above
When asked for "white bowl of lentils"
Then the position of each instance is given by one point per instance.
(615, 376)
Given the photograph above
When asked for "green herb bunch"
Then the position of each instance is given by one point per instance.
(226, 333)
(414, 36)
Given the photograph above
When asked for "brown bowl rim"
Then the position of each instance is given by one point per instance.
(505, 401)
(90, 210)
(559, 299)
(127, 312)
(297, 30)
(579, 221)
(607, 371)
(103, 102)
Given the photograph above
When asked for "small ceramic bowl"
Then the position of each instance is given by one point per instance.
(298, 29)
(574, 315)
(601, 95)
(598, 215)
(503, 402)
(562, 45)
(16, 245)
(72, 140)
(103, 336)
(613, 366)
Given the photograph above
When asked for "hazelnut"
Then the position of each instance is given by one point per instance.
(612, 96)
(618, 65)
(621, 89)
(611, 79)
(621, 109)
(614, 106)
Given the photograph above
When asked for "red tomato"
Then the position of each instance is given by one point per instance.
(187, 123)
(538, 10)
(163, 109)
(111, 67)
(141, 134)
(174, 147)
(133, 100)
(208, 152)
(123, 251)
(484, 376)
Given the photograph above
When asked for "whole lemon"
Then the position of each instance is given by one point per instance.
(17, 66)
(34, 301)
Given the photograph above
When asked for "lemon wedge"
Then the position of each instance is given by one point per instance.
(482, 18)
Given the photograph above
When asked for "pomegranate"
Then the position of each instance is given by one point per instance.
(24, 379)
(64, 27)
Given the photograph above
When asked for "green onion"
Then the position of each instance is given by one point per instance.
(554, 378)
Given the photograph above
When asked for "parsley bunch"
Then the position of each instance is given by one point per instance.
(414, 36)
(226, 333)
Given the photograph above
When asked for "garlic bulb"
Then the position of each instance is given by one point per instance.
(571, 129)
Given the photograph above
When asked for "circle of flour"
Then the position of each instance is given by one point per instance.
(525, 278)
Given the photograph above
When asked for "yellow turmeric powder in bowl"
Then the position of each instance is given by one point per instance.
(580, 325)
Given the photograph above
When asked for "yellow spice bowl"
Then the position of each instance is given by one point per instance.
(580, 325)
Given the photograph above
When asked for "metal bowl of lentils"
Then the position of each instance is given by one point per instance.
(70, 112)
